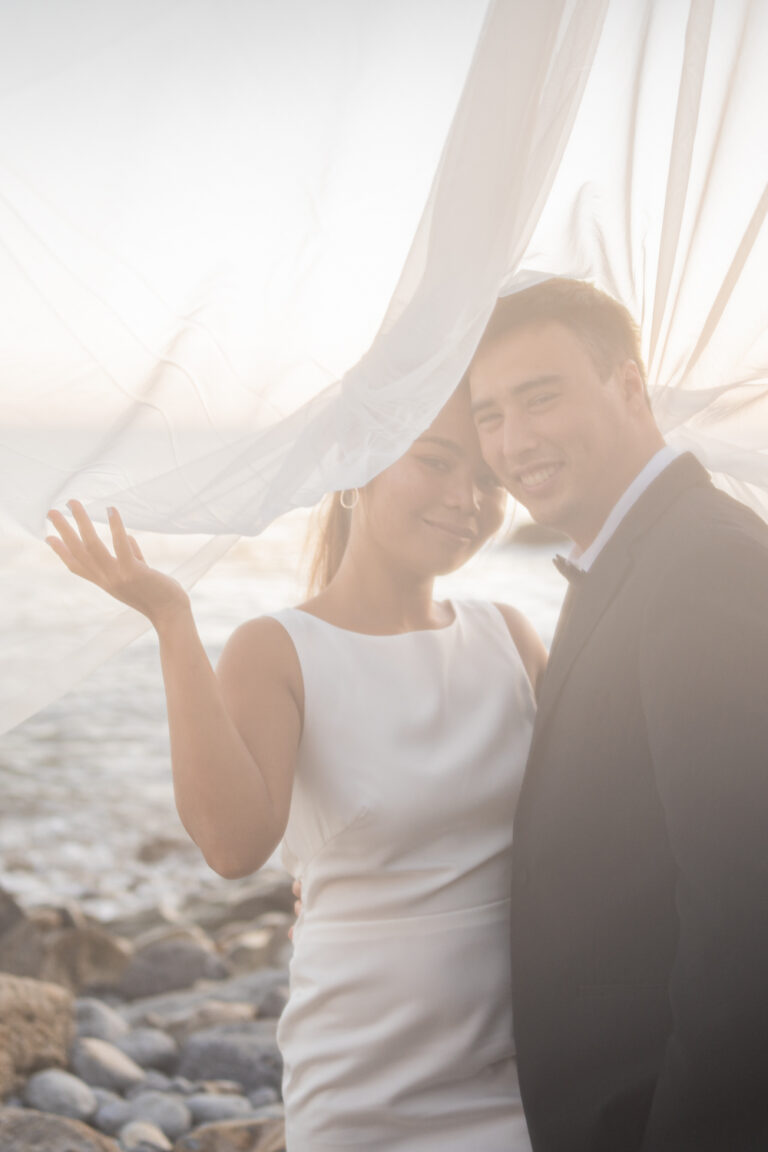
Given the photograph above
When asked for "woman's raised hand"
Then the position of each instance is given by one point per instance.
(124, 575)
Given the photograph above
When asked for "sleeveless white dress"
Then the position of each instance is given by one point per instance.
(397, 1036)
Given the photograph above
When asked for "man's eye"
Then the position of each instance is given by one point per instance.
(541, 399)
(488, 419)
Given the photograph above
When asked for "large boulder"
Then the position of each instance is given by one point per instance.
(59, 945)
(36, 1028)
(25, 1131)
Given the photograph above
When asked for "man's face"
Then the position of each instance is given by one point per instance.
(565, 442)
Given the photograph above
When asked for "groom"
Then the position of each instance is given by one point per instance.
(640, 902)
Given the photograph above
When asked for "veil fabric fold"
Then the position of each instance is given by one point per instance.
(247, 252)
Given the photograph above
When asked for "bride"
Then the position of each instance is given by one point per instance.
(382, 736)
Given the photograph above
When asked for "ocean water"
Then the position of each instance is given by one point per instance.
(86, 798)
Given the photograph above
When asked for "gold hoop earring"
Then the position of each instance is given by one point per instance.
(348, 498)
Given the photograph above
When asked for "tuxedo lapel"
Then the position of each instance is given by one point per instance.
(588, 600)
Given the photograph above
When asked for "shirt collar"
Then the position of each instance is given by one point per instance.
(645, 477)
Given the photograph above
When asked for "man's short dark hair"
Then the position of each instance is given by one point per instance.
(604, 326)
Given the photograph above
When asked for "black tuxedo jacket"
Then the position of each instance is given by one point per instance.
(640, 892)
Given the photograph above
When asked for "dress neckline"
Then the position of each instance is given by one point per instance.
(386, 635)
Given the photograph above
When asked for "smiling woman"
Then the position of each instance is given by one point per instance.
(394, 798)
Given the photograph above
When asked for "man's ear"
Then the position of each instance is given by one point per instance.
(633, 385)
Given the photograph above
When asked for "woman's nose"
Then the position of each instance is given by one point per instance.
(464, 493)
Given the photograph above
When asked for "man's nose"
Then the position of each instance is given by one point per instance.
(519, 436)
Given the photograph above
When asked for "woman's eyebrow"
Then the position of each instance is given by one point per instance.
(450, 445)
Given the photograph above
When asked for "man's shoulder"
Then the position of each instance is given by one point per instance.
(706, 521)
(707, 537)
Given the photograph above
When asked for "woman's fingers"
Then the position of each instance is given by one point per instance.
(135, 549)
(123, 550)
(70, 538)
(64, 554)
(97, 550)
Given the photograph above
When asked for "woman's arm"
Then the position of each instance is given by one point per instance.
(233, 736)
(528, 642)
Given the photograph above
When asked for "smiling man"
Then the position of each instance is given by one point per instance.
(640, 901)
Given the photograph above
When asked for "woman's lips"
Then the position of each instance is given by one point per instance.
(464, 535)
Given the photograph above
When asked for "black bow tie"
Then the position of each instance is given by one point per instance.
(567, 568)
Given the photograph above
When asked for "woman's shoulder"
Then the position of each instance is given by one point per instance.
(261, 647)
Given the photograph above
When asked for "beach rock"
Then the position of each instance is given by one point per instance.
(188, 1011)
(260, 1134)
(95, 1018)
(150, 1048)
(265, 944)
(251, 1058)
(163, 932)
(36, 1028)
(274, 1002)
(22, 949)
(159, 847)
(57, 1091)
(141, 1136)
(218, 1087)
(265, 892)
(135, 924)
(103, 1065)
(182, 1086)
(169, 965)
(207, 1015)
(112, 1113)
(208, 1107)
(154, 1081)
(169, 1113)
(85, 958)
(26, 1131)
(263, 1097)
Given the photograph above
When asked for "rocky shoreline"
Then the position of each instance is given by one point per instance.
(151, 1032)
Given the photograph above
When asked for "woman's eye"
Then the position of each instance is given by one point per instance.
(435, 462)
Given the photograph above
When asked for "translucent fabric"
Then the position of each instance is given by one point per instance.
(248, 249)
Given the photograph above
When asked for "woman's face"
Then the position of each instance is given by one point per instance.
(434, 507)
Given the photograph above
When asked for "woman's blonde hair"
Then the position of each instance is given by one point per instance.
(327, 541)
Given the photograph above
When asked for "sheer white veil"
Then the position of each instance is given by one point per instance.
(247, 251)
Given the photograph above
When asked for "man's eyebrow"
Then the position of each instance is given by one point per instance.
(520, 389)
(450, 445)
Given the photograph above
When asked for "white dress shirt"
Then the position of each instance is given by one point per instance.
(655, 466)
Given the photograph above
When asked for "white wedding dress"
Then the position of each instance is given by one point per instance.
(398, 1031)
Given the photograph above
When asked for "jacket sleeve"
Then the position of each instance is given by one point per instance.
(704, 685)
